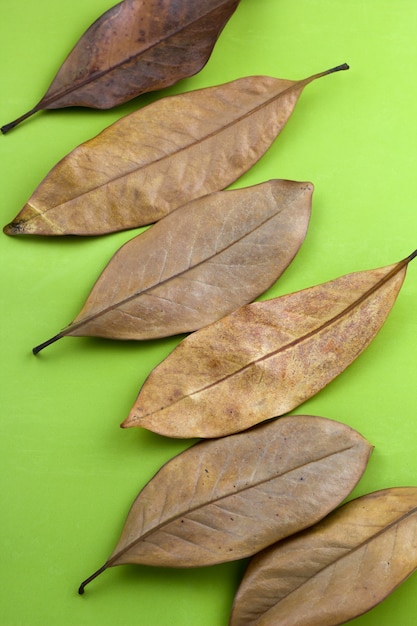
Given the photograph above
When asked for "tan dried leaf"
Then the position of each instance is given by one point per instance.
(226, 499)
(154, 160)
(336, 570)
(197, 264)
(266, 358)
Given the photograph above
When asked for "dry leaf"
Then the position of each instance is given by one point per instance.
(135, 47)
(266, 358)
(225, 499)
(160, 157)
(336, 570)
(197, 264)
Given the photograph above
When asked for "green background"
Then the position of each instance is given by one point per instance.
(68, 472)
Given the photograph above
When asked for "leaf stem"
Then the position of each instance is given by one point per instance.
(412, 256)
(88, 580)
(47, 343)
(338, 68)
(332, 70)
(5, 129)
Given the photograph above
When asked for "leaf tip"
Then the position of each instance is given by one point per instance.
(14, 228)
(132, 419)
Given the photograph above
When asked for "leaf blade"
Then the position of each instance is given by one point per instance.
(174, 46)
(206, 259)
(204, 505)
(154, 160)
(135, 47)
(358, 554)
(294, 345)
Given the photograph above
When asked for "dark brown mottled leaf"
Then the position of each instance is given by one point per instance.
(135, 47)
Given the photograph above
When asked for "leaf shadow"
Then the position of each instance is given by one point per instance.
(197, 578)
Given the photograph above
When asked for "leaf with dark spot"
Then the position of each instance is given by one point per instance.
(250, 498)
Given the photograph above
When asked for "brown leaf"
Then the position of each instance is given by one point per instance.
(225, 499)
(266, 358)
(160, 157)
(336, 570)
(135, 47)
(197, 264)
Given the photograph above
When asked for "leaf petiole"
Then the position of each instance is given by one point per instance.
(5, 129)
(43, 345)
(88, 580)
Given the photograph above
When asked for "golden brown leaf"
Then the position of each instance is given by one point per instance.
(336, 570)
(266, 358)
(160, 157)
(135, 47)
(225, 499)
(197, 264)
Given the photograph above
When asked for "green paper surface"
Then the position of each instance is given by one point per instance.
(68, 472)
